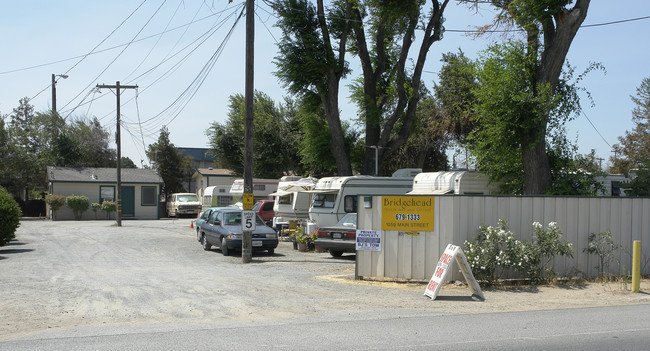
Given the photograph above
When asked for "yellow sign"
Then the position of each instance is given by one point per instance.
(407, 213)
(247, 201)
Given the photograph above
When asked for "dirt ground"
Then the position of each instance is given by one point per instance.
(69, 275)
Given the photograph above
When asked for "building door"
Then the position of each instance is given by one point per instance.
(128, 201)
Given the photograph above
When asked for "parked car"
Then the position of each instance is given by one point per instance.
(264, 209)
(339, 238)
(223, 229)
(183, 204)
(202, 218)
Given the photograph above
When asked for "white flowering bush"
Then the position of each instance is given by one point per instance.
(495, 252)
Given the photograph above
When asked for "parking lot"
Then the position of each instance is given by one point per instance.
(154, 275)
(66, 274)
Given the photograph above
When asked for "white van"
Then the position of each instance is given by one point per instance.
(334, 197)
(183, 204)
(292, 199)
(454, 182)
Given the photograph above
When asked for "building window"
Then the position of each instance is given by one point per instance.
(148, 196)
(259, 187)
(106, 193)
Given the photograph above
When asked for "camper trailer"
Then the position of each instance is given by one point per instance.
(216, 196)
(334, 197)
(292, 199)
(454, 182)
(262, 189)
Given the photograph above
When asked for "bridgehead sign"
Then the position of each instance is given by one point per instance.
(407, 213)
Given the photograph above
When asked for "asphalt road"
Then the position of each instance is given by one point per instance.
(149, 285)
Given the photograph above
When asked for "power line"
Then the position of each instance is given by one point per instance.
(596, 129)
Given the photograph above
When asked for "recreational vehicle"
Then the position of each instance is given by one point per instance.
(292, 199)
(454, 182)
(262, 189)
(216, 196)
(334, 197)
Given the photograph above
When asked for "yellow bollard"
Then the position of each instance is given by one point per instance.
(636, 266)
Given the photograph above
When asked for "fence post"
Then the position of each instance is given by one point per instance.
(636, 266)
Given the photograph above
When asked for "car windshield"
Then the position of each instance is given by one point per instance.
(187, 198)
(349, 220)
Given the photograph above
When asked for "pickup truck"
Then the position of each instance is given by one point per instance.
(264, 209)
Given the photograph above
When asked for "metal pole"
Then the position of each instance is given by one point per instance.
(376, 160)
(118, 140)
(249, 90)
(53, 92)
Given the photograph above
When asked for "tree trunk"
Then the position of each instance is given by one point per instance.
(558, 36)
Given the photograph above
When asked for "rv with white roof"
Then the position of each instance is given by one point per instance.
(334, 197)
(262, 189)
(454, 182)
(292, 199)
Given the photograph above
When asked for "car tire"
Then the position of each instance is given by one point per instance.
(271, 251)
(336, 253)
(206, 245)
(224, 247)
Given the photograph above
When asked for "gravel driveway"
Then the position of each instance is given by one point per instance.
(71, 275)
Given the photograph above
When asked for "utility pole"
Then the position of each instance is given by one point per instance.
(249, 91)
(118, 141)
(54, 89)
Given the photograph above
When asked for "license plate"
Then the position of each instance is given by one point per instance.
(337, 235)
(257, 243)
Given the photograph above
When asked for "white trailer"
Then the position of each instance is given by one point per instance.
(292, 199)
(262, 189)
(334, 197)
(454, 182)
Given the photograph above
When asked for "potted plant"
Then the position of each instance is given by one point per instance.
(302, 239)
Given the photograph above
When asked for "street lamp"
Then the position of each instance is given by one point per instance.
(64, 76)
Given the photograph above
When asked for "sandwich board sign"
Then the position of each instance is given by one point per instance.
(452, 254)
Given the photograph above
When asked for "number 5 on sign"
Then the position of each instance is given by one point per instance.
(248, 220)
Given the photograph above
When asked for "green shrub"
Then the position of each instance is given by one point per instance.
(95, 207)
(55, 201)
(9, 217)
(78, 203)
(604, 247)
(108, 207)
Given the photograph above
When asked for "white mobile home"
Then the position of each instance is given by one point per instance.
(262, 189)
(292, 199)
(334, 197)
(453, 182)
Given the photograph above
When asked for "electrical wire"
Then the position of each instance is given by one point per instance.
(115, 59)
(596, 129)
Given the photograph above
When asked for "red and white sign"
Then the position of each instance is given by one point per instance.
(452, 254)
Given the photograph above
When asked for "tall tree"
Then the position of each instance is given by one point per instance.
(384, 33)
(510, 104)
(549, 26)
(168, 162)
(311, 64)
(634, 147)
(427, 144)
(455, 95)
(94, 143)
(275, 149)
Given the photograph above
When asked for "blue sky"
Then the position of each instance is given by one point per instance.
(172, 43)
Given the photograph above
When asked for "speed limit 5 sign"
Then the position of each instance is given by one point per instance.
(248, 220)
